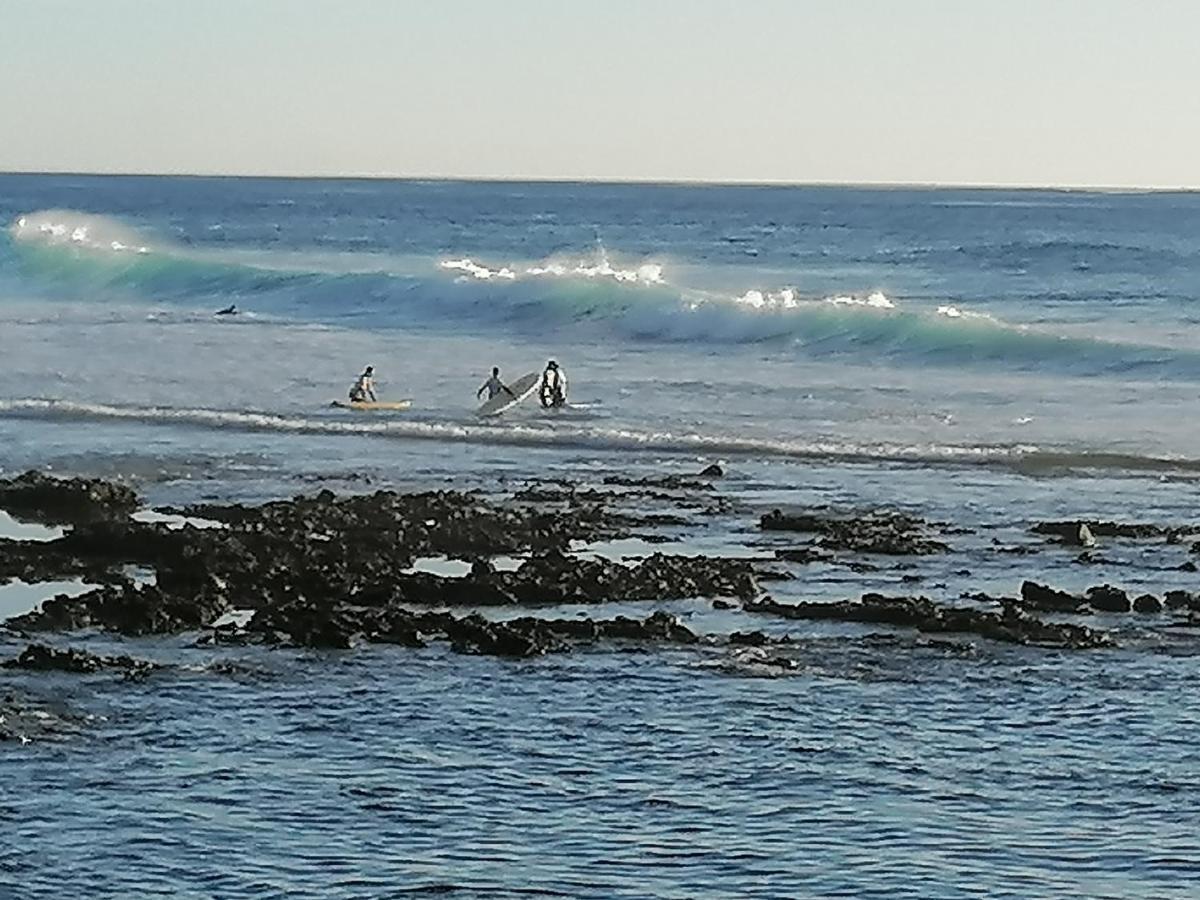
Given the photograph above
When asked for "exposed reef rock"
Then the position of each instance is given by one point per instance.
(331, 572)
(918, 612)
(42, 658)
(65, 501)
(1076, 532)
(881, 532)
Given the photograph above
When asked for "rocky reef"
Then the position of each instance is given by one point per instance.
(331, 572)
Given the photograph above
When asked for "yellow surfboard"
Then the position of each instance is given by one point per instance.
(392, 405)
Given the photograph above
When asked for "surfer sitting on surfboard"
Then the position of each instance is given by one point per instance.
(494, 386)
(364, 387)
(553, 389)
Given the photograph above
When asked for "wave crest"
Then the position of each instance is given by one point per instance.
(588, 298)
(65, 227)
(600, 268)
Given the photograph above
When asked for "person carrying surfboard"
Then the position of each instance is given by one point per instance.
(553, 389)
(494, 386)
(364, 388)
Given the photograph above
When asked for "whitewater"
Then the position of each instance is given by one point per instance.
(935, 326)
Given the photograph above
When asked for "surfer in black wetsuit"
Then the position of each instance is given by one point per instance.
(364, 387)
(495, 386)
(553, 390)
(230, 310)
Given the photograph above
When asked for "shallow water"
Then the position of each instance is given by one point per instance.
(18, 597)
(910, 773)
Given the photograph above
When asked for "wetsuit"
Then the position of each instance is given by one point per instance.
(364, 389)
(553, 390)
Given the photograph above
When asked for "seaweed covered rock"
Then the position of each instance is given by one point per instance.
(881, 532)
(41, 658)
(65, 501)
(1069, 531)
(1147, 604)
(1011, 626)
(342, 626)
(1047, 599)
(1107, 598)
(126, 609)
(1182, 600)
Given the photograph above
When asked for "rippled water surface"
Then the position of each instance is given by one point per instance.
(983, 359)
(885, 771)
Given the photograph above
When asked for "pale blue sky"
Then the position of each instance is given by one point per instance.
(1078, 92)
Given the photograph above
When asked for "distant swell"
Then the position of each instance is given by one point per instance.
(1016, 457)
(594, 296)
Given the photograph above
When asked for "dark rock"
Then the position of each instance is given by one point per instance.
(1147, 603)
(723, 604)
(763, 574)
(1069, 531)
(808, 554)
(41, 658)
(1047, 599)
(1107, 598)
(474, 634)
(1182, 600)
(667, 482)
(749, 639)
(66, 501)
(924, 615)
(712, 470)
(879, 532)
(482, 569)
(127, 609)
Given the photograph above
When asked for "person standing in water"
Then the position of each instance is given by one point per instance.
(364, 388)
(553, 389)
(494, 386)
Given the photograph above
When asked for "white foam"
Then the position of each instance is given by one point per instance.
(788, 299)
(83, 230)
(874, 300)
(472, 268)
(519, 435)
(601, 267)
(953, 312)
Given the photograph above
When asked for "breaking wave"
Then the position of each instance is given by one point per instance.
(1019, 457)
(594, 296)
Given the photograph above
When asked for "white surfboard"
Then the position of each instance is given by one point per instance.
(521, 388)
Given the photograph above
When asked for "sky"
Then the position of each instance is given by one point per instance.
(1055, 92)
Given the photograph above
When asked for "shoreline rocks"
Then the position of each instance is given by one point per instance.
(330, 571)
(878, 532)
(1011, 626)
(48, 500)
(41, 658)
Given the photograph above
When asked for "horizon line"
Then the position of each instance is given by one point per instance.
(622, 180)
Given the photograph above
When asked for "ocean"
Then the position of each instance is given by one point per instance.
(983, 358)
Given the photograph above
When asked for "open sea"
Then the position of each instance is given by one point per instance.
(985, 358)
